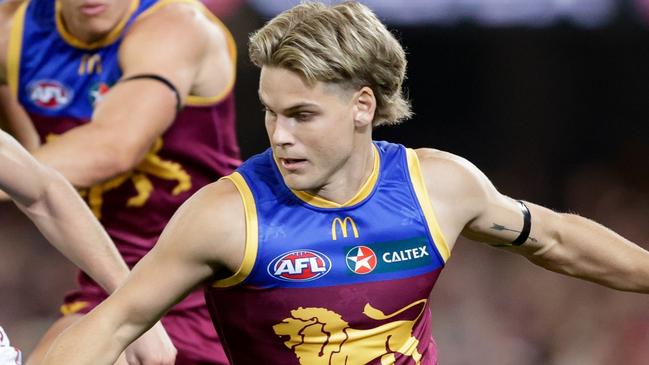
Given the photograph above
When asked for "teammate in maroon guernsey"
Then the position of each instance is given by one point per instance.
(324, 249)
(132, 102)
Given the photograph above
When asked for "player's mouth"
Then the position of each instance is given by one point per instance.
(292, 164)
(92, 9)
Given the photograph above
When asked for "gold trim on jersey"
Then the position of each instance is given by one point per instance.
(363, 193)
(73, 308)
(252, 235)
(108, 39)
(15, 48)
(195, 100)
(426, 205)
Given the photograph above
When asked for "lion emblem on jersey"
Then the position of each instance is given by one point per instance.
(151, 165)
(319, 336)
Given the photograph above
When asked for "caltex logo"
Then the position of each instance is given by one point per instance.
(49, 94)
(361, 260)
(299, 265)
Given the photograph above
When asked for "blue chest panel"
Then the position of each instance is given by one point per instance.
(385, 236)
(57, 78)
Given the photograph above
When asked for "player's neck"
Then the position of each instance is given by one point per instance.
(347, 182)
(89, 29)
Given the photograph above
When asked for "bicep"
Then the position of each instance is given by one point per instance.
(466, 201)
(500, 223)
(139, 110)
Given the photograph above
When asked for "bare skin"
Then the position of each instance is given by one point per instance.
(192, 249)
(195, 59)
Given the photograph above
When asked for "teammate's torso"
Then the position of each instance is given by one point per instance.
(333, 285)
(59, 88)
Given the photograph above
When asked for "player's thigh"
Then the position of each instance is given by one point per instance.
(46, 341)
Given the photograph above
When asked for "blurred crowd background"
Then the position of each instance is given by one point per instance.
(550, 98)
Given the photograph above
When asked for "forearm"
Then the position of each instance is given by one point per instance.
(88, 155)
(90, 341)
(66, 222)
(582, 248)
(154, 285)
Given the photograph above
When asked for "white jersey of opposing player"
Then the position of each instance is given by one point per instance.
(8, 355)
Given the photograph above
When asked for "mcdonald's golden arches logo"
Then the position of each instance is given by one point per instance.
(90, 64)
(343, 224)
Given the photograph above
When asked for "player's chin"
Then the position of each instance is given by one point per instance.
(295, 184)
(298, 182)
(98, 27)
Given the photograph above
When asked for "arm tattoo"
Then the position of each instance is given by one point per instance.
(499, 227)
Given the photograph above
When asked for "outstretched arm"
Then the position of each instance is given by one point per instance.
(64, 219)
(60, 214)
(470, 205)
(186, 255)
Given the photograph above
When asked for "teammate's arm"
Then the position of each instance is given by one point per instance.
(469, 204)
(134, 113)
(201, 239)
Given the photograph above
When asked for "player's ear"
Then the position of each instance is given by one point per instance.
(364, 107)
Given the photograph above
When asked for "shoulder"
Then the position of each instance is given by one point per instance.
(450, 171)
(182, 42)
(192, 27)
(458, 190)
(213, 223)
(219, 201)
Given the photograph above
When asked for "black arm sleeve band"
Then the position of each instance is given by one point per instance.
(527, 225)
(162, 80)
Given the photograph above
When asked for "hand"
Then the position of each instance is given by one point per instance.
(154, 347)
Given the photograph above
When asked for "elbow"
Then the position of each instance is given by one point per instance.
(117, 158)
(552, 252)
(123, 162)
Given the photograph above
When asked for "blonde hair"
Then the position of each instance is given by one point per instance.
(343, 44)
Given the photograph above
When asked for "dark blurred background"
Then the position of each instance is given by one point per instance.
(547, 97)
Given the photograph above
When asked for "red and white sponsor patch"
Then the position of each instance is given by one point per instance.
(299, 265)
(361, 260)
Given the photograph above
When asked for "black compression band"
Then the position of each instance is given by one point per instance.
(527, 225)
(162, 80)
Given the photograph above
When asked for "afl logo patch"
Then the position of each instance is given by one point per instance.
(49, 94)
(299, 265)
(361, 260)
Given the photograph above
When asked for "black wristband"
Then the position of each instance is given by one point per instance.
(527, 225)
(162, 80)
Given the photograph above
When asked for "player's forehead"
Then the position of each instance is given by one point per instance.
(283, 88)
